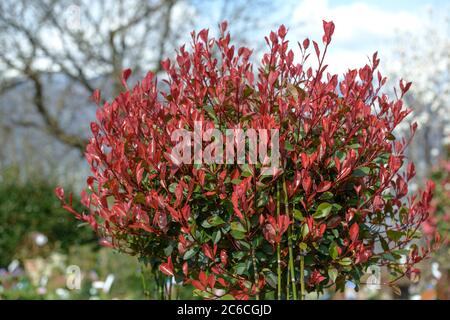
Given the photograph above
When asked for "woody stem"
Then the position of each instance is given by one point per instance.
(144, 281)
(291, 254)
(255, 270)
(302, 277)
(278, 249)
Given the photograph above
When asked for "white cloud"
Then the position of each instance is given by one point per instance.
(361, 29)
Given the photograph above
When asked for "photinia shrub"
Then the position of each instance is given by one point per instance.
(335, 204)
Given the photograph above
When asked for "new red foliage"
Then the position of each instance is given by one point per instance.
(339, 200)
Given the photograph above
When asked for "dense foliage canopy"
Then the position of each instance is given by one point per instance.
(337, 204)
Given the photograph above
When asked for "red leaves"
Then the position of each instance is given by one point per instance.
(316, 231)
(207, 280)
(223, 257)
(362, 254)
(305, 160)
(198, 285)
(96, 96)
(223, 26)
(404, 86)
(306, 181)
(210, 253)
(316, 49)
(165, 64)
(282, 31)
(328, 28)
(139, 173)
(335, 134)
(167, 267)
(185, 268)
(125, 75)
(291, 187)
(324, 186)
(178, 194)
(147, 82)
(413, 274)
(235, 202)
(273, 76)
(427, 195)
(275, 228)
(270, 233)
(59, 192)
(354, 232)
(347, 166)
(273, 37)
(204, 35)
(201, 177)
(315, 278)
(395, 163)
(204, 281)
(186, 213)
(95, 128)
(240, 200)
(271, 207)
(410, 171)
(306, 44)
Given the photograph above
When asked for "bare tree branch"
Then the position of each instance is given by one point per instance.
(37, 40)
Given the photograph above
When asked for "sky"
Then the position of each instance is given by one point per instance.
(362, 26)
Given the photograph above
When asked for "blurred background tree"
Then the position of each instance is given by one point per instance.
(31, 217)
(423, 57)
(54, 53)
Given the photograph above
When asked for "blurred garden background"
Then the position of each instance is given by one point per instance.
(54, 53)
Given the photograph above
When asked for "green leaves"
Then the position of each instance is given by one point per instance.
(190, 253)
(210, 110)
(270, 277)
(216, 236)
(361, 172)
(202, 294)
(345, 261)
(388, 256)
(323, 210)
(326, 195)
(243, 267)
(212, 221)
(240, 268)
(384, 243)
(237, 230)
(288, 146)
(263, 199)
(305, 231)
(298, 215)
(333, 250)
(332, 274)
(237, 235)
(172, 187)
(394, 235)
(237, 226)
(248, 91)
